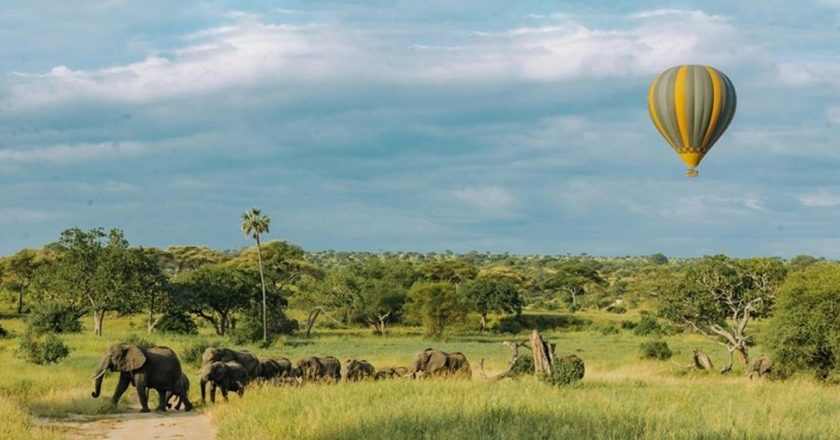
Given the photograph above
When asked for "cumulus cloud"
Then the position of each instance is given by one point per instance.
(249, 51)
(70, 153)
(810, 74)
(821, 199)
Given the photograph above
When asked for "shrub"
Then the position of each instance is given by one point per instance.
(3, 332)
(805, 330)
(192, 352)
(655, 350)
(250, 329)
(566, 370)
(51, 317)
(140, 341)
(47, 350)
(647, 326)
(617, 309)
(628, 325)
(177, 322)
(524, 365)
(609, 329)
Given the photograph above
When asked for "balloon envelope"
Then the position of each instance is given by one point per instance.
(691, 106)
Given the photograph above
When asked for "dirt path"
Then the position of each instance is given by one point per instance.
(140, 426)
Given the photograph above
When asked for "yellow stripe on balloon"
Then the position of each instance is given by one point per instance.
(682, 118)
(652, 110)
(717, 103)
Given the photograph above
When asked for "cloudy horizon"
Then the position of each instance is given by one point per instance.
(416, 126)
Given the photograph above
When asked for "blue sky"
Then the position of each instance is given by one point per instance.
(490, 125)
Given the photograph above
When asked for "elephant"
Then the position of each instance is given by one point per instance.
(279, 368)
(313, 368)
(246, 360)
(358, 370)
(390, 373)
(761, 365)
(229, 376)
(183, 388)
(155, 368)
(431, 362)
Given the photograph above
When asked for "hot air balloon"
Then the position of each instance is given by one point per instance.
(691, 106)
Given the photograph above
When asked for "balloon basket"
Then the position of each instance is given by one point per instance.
(691, 172)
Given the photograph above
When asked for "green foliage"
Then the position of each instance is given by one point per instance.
(140, 341)
(193, 351)
(541, 322)
(52, 317)
(49, 349)
(3, 332)
(524, 365)
(574, 278)
(655, 349)
(250, 328)
(486, 295)
(215, 293)
(617, 309)
(454, 271)
(657, 259)
(566, 370)
(805, 330)
(438, 305)
(609, 329)
(647, 325)
(628, 325)
(177, 322)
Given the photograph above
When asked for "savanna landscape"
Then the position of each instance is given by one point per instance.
(634, 321)
(372, 219)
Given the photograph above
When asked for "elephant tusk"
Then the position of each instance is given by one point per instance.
(99, 375)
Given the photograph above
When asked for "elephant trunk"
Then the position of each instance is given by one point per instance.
(100, 374)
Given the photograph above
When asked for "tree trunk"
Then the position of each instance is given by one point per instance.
(98, 317)
(381, 327)
(310, 320)
(262, 281)
(542, 354)
(20, 302)
(483, 322)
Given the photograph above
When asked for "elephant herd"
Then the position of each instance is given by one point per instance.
(229, 370)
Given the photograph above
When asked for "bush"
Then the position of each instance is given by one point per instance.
(609, 329)
(51, 317)
(655, 350)
(804, 332)
(192, 352)
(250, 329)
(524, 365)
(178, 323)
(140, 341)
(566, 370)
(628, 325)
(617, 309)
(47, 350)
(3, 332)
(647, 326)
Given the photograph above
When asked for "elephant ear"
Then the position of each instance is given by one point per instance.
(132, 358)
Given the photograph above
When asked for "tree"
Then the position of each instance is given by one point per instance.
(18, 271)
(574, 278)
(90, 275)
(454, 271)
(254, 223)
(717, 297)
(150, 282)
(186, 258)
(805, 328)
(438, 305)
(214, 293)
(486, 295)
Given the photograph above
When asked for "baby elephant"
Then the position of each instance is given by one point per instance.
(390, 373)
(183, 385)
(229, 376)
(357, 370)
(761, 365)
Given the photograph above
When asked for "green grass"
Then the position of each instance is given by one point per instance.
(621, 396)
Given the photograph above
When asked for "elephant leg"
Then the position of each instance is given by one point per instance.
(212, 392)
(143, 394)
(203, 384)
(122, 385)
(224, 393)
(162, 401)
(184, 399)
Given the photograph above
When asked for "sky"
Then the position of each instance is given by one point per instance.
(433, 125)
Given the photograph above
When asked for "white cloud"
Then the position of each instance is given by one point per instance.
(810, 74)
(71, 153)
(820, 199)
(249, 52)
(491, 198)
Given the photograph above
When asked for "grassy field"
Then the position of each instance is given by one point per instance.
(620, 397)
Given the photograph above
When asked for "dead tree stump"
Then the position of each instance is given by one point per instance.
(543, 353)
(702, 361)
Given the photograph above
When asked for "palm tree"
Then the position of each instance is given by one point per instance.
(255, 223)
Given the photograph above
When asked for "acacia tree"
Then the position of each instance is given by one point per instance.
(214, 293)
(254, 223)
(150, 282)
(18, 271)
(438, 304)
(717, 296)
(486, 295)
(92, 273)
(574, 278)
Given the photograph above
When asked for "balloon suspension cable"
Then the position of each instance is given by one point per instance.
(692, 172)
